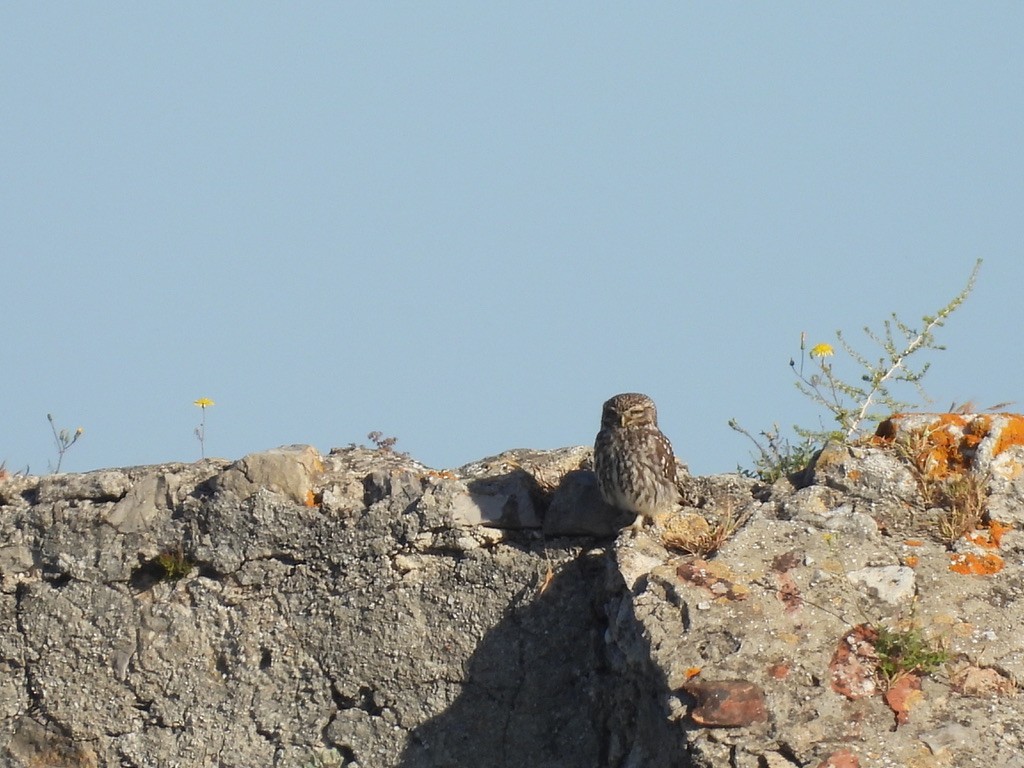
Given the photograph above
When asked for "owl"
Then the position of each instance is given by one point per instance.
(633, 460)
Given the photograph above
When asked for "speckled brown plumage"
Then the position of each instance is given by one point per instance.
(633, 460)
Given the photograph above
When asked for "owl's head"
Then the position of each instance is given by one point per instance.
(630, 409)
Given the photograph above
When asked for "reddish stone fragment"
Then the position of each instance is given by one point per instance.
(727, 703)
(787, 561)
(789, 592)
(712, 577)
(982, 682)
(853, 664)
(903, 696)
(844, 758)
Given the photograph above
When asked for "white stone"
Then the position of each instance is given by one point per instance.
(892, 584)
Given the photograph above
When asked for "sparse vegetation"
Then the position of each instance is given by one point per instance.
(692, 534)
(776, 456)
(385, 444)
(173, 565)
(853, 406)
(945, 480)
(906, 651)
(63, 440)
(872, 398)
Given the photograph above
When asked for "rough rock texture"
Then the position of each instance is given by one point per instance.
(360, 609)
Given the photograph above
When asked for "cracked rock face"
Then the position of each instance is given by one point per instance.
(366, 629)
(360, 609)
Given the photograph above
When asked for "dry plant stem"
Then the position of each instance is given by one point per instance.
(63, 440)
(962, 494)
(200, 432)
(201, 435)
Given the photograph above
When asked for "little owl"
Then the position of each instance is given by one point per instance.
(633, 460)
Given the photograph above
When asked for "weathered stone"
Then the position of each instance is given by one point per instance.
(15, 559)
(502, 503)
(727, 703)
(577, 509)
(865, 473)
(101, 485)
(141, 505)
(952, 442)
(893, 584)
(842, 758)
(381, 627)
(16, 489)
(988, 447)
(289, 470)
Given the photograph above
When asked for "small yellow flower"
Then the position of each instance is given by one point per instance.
(203, 402)
(822, 350)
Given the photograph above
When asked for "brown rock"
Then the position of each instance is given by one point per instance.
(727, 703)
(714, 577)
(844, 758)
(980, 682)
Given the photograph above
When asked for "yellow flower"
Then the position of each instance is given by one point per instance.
(822, 350)
(203, 402)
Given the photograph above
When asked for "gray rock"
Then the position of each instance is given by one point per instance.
(392, 625)
(289, 470)
(101, 485)
(577, 509)
(500, 504)
(893, 584)
(15, 559)
(141, 505)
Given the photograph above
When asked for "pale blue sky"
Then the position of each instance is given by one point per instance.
(466, 224)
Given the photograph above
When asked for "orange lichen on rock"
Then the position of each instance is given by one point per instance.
(946, 444)
(976, 431)
(1011, 434)
(944, 453)
(991, 536)
(911, 561)
(996, 531)
(970, 564)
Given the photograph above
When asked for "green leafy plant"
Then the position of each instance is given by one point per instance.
(173, 565)
(63, 440)
(852, 406)
(777, 456)
(871, 399)
(904, 652)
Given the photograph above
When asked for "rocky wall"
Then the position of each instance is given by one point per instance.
(359, 609)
